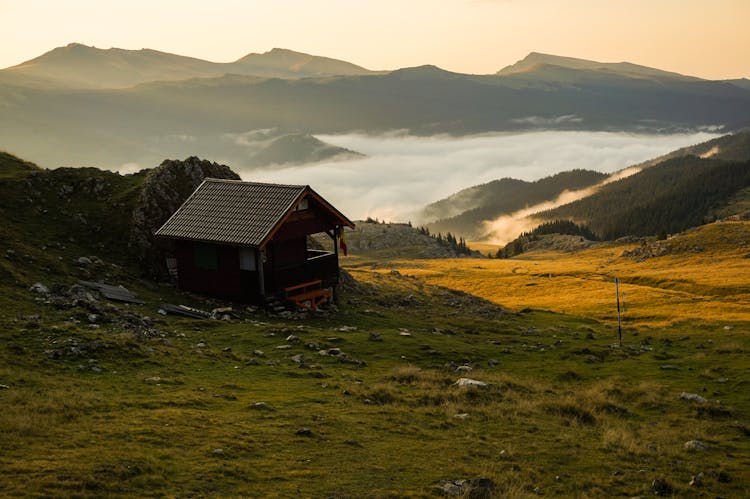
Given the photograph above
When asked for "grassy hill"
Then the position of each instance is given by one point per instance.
(109, 399)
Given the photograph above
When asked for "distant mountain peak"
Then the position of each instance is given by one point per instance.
(538, 61)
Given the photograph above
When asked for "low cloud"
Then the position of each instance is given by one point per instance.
(401, 174)
(548, 121)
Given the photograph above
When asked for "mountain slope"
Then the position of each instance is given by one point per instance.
(465, 211)
(667, 198)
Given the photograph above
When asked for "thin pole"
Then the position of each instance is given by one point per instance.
(619, 323)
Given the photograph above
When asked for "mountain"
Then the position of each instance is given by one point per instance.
(59, 122)
(679, 192)
(546, 66)
(77, 65)
(296, 149)
(463, 213)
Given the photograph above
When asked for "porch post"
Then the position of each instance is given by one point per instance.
(261, 279)
(336, 232)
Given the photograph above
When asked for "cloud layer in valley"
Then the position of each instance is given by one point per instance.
(401, 174)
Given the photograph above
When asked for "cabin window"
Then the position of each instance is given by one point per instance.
(206, 257)
(247, 259)
(303, 205)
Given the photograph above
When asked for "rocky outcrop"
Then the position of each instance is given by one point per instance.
(164, 190)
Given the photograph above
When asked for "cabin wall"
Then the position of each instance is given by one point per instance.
(225, 281)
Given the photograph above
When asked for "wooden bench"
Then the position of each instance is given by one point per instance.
(308, 295)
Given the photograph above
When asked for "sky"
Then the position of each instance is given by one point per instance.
(705, 38)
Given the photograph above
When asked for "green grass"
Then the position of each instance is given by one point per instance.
(106, 411)
(565, 411)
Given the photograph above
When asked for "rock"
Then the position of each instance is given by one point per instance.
(260, 406)
(283, 347)
(84, 260)
(304, 432)
(292, 339)
(661, 487)
(259, 353)
(475, 488)
(462, 415)
(464, 369)
(375, 337)
(164, 190)
(346, 329)
(92, 318)
(226, 349)
(39, 288)
(668, 367)
(468, 382)
(333, 351)
(299, 359)
(217, 452)
(492, 362)
(404, 333)
(695, 445)
(728, 328)
(4, 387)
(693, 397)
(697, 480)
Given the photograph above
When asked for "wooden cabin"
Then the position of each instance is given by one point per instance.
(247, 241)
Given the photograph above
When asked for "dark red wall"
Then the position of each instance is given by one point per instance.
(224, 282)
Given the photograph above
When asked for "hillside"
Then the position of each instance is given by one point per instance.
(200, 116)
(463, 213)
(667, 198)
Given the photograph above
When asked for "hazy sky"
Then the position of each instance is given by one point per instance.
(707, 38)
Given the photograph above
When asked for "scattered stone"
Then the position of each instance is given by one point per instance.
(468, 382)
(697, 480)
(226, 349)
(292, 339)
(346, 329)
(661, 487)
(723, 477)
(492, 362)
(283, 347)
(4, 387)
(217, 452)
(375, 337)
(462, 415)
(693, 397)
(404, 333)
(299, 358)
(84, 260)
(304, 432)
(200, 345)
(464, 369)
(39, 288)
(728, 328)
(474, 488)
(695, 445)
(259, 353)
(333, 351)
(260, 406)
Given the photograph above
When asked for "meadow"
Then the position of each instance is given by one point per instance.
(138, 404)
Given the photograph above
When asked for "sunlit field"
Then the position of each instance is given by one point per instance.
(704, 278)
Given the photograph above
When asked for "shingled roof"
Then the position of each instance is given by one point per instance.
(235, 212)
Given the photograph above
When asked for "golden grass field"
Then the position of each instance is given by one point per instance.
(704, 278)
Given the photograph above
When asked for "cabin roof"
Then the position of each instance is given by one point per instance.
(238, 213)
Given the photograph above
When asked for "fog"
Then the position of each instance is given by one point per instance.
(403, 173)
